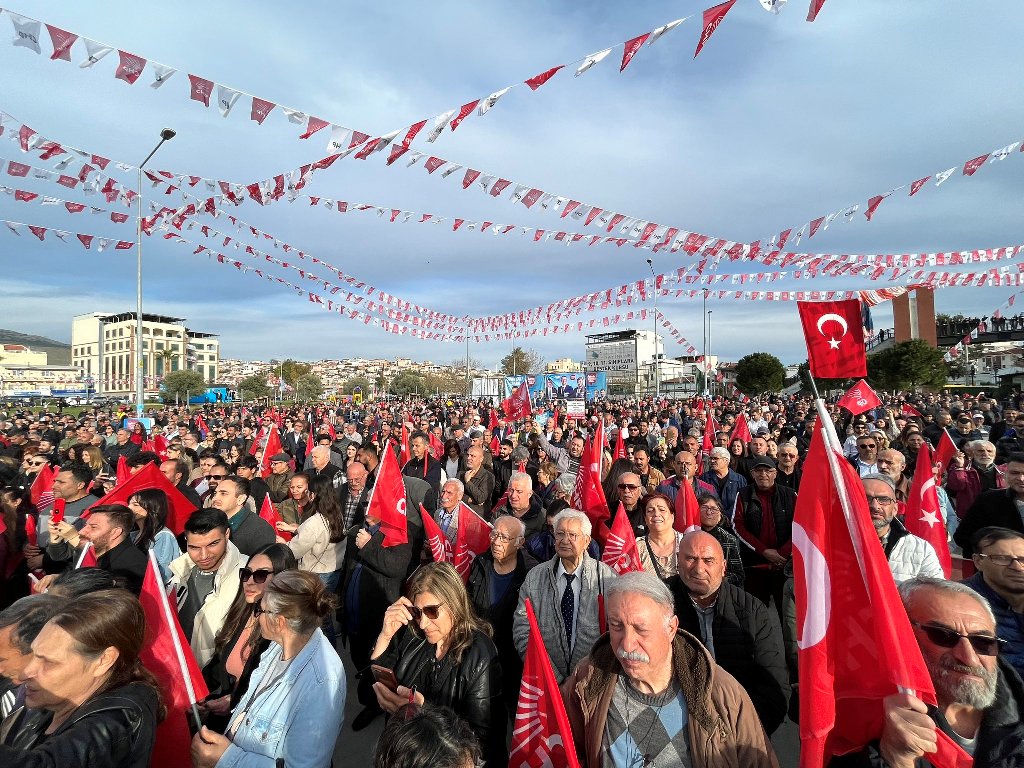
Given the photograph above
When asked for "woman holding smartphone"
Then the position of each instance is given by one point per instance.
(441, 653)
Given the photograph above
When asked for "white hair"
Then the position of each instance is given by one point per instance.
(719, 452)
(518, 524)
(573, 514)
(911, 587)
(642, 583)
(457, 483)
(521, 476)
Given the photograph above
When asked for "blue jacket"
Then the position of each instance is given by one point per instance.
(298, 718)
(1009, 624)
(730, 488)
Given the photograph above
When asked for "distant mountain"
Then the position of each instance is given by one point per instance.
(57, 352)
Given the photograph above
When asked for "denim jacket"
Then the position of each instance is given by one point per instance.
(298, 718)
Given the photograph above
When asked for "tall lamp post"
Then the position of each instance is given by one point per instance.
(140, 364)
(706, 358)
(654, 287)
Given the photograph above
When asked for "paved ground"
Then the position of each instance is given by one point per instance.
(355, 750)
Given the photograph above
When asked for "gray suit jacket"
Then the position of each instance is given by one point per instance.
(543, 592)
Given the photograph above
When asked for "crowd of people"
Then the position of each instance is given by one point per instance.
(692, 660)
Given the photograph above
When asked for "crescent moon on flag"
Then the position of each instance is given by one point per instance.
(819, 598)
(835, 318)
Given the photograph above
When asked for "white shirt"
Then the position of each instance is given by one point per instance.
(577, 589)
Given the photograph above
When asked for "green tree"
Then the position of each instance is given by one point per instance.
(309, 386)
(181, 384)
(408, 383)
(292, 370)
(957, 368)
(521, 361)
(760, 372)
(253, 387)
(804, 372)
(908, 365)
(349, 387)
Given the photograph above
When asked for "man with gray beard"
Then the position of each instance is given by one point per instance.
(980, 697)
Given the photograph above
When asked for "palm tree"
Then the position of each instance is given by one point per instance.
(167, 355)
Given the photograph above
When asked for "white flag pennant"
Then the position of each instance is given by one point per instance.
(294, 116)
(413, 159)
(15, 228)
(849, 212)
(1002, 154)
(226, 98)
(95, 51)
(47, 200)
(439, 123)
(773, 6)
(490, 101)
(591, 60)
(160, 74)
(340, 137)
(663, 29)
(449, 170)
(61, 234)
(829, 219)
(485, 181)
(941, 177)
(26, 32)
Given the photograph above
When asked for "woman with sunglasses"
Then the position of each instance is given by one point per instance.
(292, 711)
(441, 653)
(239, 644)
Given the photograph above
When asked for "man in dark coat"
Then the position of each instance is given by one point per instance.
(734, 626)
(422, 464)
(995, 508)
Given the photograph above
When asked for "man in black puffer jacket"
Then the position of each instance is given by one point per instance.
(734, 626)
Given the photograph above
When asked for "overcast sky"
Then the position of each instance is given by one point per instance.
(777, 122)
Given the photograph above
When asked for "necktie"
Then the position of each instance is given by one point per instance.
(568, 602)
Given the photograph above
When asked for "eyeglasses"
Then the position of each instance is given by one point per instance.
(259, 576)
(214, 477)
(565, 535)
(867, 445)
(495, 536)
(258, 610)
(628, 487)
(710, 508)
(885, 501)
(430, 611)
(1004, 561)
(945, 637)
(36, 463)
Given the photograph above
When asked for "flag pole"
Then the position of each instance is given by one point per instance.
(171, 622)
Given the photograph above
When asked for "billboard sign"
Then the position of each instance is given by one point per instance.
(612, 356)
(561, 386)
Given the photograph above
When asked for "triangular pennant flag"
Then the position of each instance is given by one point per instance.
(26, 32)
(630, 49)
(712, 18)
(226, 98)
(537, 81)
(591, 60)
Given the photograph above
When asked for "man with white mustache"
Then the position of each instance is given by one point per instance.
(650, 694)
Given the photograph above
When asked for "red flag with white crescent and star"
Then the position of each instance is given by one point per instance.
(387, 501)
(859, 398)
(944, 451)
(620, 551)
(834, 334)
(923, 517)
(855, 642)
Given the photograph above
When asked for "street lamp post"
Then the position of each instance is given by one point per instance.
(140, 391)
(654, 287)
(709, 347)
(705, 352)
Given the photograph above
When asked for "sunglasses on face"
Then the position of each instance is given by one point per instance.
(430, 611)
(259, 576)
(214, 477)
(628, 487)
(944, 637)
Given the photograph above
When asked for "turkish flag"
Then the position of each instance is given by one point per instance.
(179, 509)
(472, 539)
(269, 513)
(908, 410)
(42, 487)
(854, 639)
(166, 653)
(620, 445)
(859, 398)
(541, 734)
(272, 448)
(923, 517)
(587, 495)
(687, 510)
(834, 334)
(440, 547)
(517, 405)
(620, 552)
(122, 470)
(387, 501)
(742, 429)
(945, 451)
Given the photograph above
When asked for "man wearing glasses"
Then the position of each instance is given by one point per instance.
(908, 555)
(999, 558)
(979, 697)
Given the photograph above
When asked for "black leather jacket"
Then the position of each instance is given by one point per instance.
(115, 729)
(472, 687)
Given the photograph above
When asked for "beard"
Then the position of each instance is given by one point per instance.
(979, 694)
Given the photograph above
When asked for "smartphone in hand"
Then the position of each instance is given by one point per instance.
(58, 511)
(385, 676)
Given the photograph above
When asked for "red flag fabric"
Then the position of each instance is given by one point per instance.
(473, 538)
(122, 470)
(31, 532)
(42, 487)
(273, 448)
(537, 81)
(436, 446)
(712, 18)
(178, 507)
(709, 432)
(587, 495)
(517, 405)
(859, 398)
(495, 445)
(555, 417)
(541, 734)
(630, 49)
(492, 422)
(923, 517)
(855, 642)
(269, 513)
(687, 510)
(620, 551)
(908, 410)
(405, 454)
(88, 558)
(166, 653)
(309, 443)
(945, 451)
(202, 427)
(440, 547)
(387, 501)
(742, 429)
(835, 338)
(620, 445)
(812, 11)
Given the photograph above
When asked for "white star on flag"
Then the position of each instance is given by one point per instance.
(929, 517)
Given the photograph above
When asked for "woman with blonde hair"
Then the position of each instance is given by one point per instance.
(441, 653)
